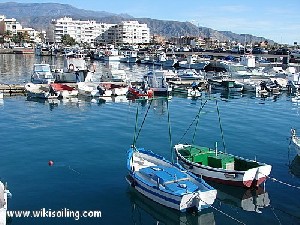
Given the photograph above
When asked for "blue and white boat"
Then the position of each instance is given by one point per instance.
(4, 195)
(42, 74)
(295, 140)
(167, 183)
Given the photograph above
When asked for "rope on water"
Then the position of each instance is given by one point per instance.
(225, 214)
(222, 134)
(281, 182)
(202, 106)
(137, 136)
(275, 215)
(170, 132)
(198, 118)
(135, 127)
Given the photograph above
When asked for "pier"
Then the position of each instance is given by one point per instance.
(10, 89)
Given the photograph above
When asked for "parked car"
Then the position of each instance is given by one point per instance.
(295, 53)
(282, 51)
(220, 50)
(238, 49)
(259, 50)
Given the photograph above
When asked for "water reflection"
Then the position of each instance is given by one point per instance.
(158, 105)
(143, 208)
(295, 166)
(252, 200)
(79, 101)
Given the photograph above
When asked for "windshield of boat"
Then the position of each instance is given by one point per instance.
(237, 68)
(42, 68)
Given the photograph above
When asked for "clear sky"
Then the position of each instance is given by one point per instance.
(278, 20)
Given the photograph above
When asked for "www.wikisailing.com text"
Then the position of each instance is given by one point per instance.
(49, 213)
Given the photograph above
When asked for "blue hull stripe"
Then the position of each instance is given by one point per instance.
(159, 195)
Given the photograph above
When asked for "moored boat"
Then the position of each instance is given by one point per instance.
(138, 93)
(40, 91)
(222, 167)
(295, 140)
(167, 183)
(4, 195)
(64, 91)
(42, 74)
(156, 81)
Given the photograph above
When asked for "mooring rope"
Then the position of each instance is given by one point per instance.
(222, 134)
(202, 106)
(135, 127)
(198, 118)
(275, 215)
(137, 136)
(225, 214)
(170, 132)
(279, 181)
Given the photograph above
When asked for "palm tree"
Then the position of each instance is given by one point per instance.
(7, 36)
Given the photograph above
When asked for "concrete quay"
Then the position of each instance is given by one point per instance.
(10, 89)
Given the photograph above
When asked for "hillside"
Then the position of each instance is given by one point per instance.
(42, 13)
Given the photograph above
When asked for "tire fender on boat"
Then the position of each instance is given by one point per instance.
(71, 67)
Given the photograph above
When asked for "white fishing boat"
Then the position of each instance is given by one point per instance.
(42, 74)
(167, 183)
(112, 54)
(221, 167)
(40, 91)
(189, 74)
(129, 57)
(295, 140)
(226, 85)
(4, 195)
(75, 69)
(156, 81)
(189, 91)
(193, 62)
(64, 90)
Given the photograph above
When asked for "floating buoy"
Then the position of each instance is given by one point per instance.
(50, 163)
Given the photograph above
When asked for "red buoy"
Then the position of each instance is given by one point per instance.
(50, 163)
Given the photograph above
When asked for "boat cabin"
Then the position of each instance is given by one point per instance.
(210, 157)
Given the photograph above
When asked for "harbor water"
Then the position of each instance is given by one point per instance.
(86, 141)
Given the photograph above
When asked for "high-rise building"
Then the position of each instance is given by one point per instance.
(126, 32)
(82, 31)
(9, 25)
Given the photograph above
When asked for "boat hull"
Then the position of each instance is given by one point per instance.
(296, 142)
(248, 178)
(142, 160)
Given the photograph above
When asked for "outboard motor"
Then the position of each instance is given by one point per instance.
(101, 91)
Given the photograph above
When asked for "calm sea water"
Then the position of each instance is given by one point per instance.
(87, 141)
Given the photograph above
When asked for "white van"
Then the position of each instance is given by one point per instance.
(295, 53)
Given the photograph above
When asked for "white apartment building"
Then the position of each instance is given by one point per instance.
(132, 32)
(11, 25)
(128, 32)
(81, 31)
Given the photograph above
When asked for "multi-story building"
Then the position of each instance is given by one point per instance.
(9, 25)
(128, 32)
(82, 31)
(132, 32)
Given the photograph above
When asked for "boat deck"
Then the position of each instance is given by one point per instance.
(172, 179)
(3, 207)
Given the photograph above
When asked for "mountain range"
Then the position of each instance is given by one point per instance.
(41, 15)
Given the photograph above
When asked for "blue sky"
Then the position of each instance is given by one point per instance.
(278, 20)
